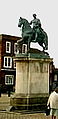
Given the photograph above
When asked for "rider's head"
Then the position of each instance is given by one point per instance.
(34, 15)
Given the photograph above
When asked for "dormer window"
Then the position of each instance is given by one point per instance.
(8, 47)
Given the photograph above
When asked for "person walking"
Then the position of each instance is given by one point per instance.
(53, 102)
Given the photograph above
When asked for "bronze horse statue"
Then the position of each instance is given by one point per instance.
(28, 35)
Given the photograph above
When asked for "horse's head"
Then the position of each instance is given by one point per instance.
(23, 22)
(26, 28)
(20, 22)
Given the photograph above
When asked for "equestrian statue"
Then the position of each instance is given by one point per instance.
(32, 34)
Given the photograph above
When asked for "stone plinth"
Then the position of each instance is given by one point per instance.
(32, 81)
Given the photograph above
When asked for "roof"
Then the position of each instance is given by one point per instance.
(9, 37)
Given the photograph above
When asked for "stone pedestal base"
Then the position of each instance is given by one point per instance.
(35, 102)
(32, 81)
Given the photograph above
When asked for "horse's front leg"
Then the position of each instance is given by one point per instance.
(28, 44)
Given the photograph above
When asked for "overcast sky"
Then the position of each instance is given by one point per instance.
(47, 12)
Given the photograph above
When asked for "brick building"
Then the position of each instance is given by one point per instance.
(8, 49)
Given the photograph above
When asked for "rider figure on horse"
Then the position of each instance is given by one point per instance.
(35, 34)
(36, 25)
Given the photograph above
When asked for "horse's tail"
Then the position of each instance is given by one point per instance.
(45, 40)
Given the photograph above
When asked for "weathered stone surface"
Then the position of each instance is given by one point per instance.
(32, 82)
(32, 75)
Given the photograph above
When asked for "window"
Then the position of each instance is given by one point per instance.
(55, 77)
(8, 47)
(9, 79)
(24, 48)
(15, 48)
(14, 64)
(8, 62)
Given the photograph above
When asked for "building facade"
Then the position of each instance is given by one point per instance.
(8, 49)
(53, 77)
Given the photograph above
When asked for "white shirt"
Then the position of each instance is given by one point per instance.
(53, 100)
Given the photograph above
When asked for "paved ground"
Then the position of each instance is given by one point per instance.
(5, 102)
(7, 115)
